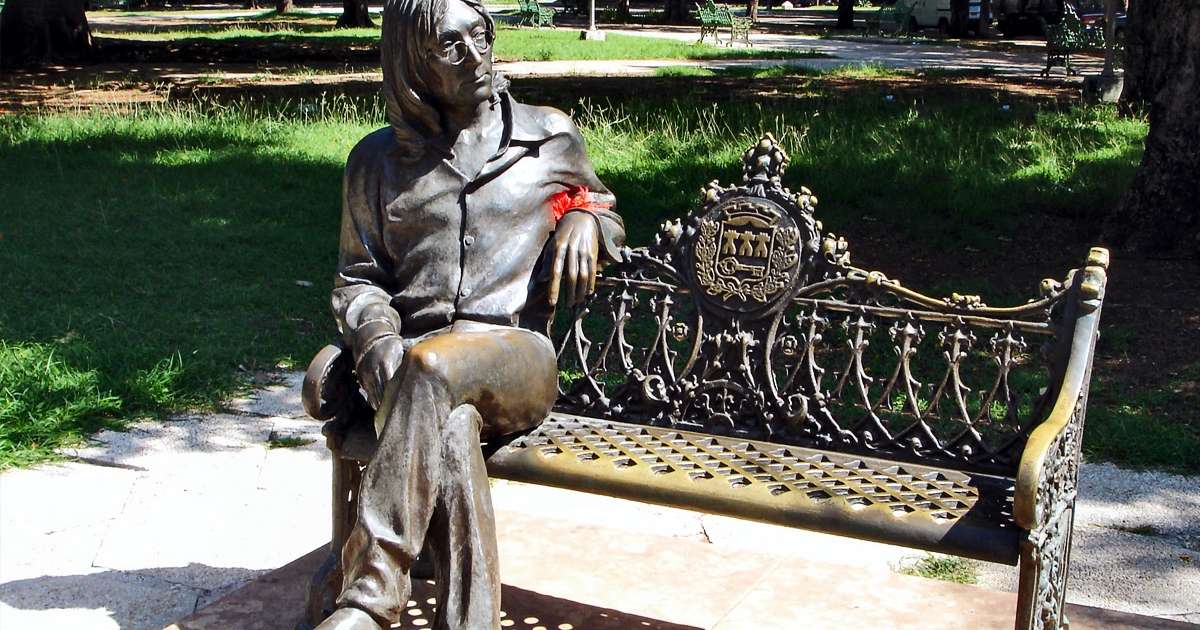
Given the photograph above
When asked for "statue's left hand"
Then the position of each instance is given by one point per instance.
(576, 251)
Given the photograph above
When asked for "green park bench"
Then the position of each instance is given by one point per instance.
(534, 14)
(1070, 35)
(892, 20)
(715, 16)
(742, 365)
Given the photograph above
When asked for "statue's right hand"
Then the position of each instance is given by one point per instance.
(377, 365)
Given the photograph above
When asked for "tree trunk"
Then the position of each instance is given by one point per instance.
(355, 14)
(1159, 213)
(985, 10)
(960, 14)
(676, 12)
(33, 31)
(845, 14)
(284, 6)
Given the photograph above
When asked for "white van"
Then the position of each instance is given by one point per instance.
(936, 14)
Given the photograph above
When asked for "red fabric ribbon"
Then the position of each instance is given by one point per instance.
(575, 198)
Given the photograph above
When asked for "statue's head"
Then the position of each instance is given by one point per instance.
(437, 54)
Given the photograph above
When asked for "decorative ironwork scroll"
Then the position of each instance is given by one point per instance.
(1046, 551)
(746, 320)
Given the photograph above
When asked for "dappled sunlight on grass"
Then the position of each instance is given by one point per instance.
(956, 172)
(49, 399)
(167, 245)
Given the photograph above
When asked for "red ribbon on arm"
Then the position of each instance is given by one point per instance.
(575, 198)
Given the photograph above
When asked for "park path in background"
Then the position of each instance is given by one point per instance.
(1024, 58)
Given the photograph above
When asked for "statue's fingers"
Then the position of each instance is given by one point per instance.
(573, 277)
(584, 283)
(591, 274)
(556, 270)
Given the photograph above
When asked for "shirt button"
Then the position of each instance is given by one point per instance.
(464, 292)
(468, 240)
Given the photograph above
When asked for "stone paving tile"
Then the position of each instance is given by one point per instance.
(297, 469)
(59, 497)
(200, 523)
(822, 596)
(608, 568)
(108, 599)
(783, 541)
(26, 555)
(591, 509)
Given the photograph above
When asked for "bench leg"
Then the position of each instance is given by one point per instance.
(1046, 550)
(326, 583)
(1042, 593)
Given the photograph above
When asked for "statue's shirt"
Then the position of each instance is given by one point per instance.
(437, 246)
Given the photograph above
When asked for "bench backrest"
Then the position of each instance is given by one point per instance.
(901, 11)
(1072, 33)
(747, 320)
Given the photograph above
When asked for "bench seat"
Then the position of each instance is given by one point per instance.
(906, 504)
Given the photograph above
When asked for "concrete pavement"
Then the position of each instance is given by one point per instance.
(149, 526)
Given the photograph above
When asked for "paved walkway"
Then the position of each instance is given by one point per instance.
(1010, 58)
(1013, 59)
(148, 526)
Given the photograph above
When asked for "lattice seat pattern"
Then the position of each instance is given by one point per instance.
(727, 474)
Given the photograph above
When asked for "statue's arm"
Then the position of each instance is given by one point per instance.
(362, 293)
(587, 234)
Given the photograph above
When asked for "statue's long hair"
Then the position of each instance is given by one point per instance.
(407, 25)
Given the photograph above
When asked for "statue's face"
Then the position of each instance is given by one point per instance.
(460, 58)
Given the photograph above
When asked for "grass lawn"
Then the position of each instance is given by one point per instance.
(162, 259)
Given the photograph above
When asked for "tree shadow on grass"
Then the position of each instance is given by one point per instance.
(168, 261)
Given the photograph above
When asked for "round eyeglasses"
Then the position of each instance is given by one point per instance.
(455, 52)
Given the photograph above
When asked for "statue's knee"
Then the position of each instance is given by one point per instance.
(465, 418)
(425, 360)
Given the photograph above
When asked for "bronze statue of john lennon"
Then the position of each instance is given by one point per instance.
(464, 222)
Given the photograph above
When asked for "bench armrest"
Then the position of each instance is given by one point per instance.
(326, 383)
(1052, 451)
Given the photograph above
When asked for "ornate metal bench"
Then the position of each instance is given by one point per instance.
(534, 14)
(894, 19)
(713, 16)
(1068, 36)
(741, 365)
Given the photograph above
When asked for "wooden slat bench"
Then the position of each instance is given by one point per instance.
(741, 365)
